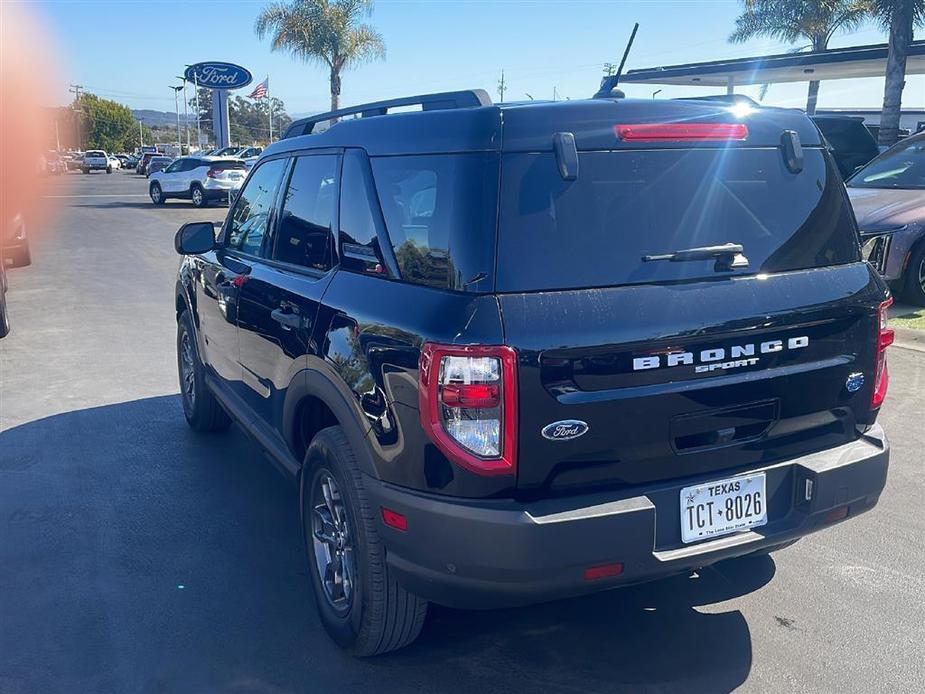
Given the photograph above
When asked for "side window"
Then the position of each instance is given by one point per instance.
(359, 241)
(303, 234)
(173, 168)
(247, 224)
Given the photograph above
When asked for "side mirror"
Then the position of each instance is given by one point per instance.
(195, 238)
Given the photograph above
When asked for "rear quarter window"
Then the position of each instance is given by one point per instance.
(440, 212)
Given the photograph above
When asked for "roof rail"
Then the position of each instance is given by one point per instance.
(469, 98)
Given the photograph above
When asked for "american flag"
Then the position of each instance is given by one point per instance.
(260, 91)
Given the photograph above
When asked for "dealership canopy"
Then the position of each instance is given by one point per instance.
(835, 64)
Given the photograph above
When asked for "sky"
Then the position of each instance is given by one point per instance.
(130, 50)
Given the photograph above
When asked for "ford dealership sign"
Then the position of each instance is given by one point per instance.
(214, 75)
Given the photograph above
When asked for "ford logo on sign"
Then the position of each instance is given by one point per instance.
(565, 430)
(218, 75)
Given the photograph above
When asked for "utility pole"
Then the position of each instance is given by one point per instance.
(75, 90)
(57, 136)
(270, 109)
(185, 115)
(555, 93)
(176, 102)
(501, 86)
(141, 135)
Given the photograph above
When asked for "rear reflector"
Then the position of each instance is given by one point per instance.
(393, 519)
(836, 514)
(595, 573)
(682, 132)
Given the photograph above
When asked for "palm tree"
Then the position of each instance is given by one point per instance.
(815, 21)
(323, 31)
(897, 17)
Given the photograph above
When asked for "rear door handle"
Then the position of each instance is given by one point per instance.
(287, 320)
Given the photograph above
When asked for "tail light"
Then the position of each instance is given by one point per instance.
(468, 405)
(213, 173)
(682, 132)
(885, 336)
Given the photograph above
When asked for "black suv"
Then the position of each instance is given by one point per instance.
(519, 352)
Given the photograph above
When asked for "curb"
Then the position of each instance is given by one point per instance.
(910, 339)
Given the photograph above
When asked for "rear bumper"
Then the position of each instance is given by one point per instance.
(220, 189)
(483, 554)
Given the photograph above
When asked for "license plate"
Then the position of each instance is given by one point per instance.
(722, 507)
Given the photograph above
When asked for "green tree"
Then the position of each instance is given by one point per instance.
(793, 21)
(108, 125)
(329, 32)
(898, 18)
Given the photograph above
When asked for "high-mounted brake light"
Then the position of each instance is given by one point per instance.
(885, 337)
(468, 405)
(682, 132)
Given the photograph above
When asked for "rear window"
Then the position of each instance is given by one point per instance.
(96, 154)
(594, 231)
(226, 165)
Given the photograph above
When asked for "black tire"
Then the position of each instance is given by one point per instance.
(86, 171)
(380, 615)
(157, 195)
(197, 195)
(4, 316)
(200, 407)
(109, 169)
(914, 291)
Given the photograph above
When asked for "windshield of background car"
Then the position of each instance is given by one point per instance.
(901, 167)
(594, 231)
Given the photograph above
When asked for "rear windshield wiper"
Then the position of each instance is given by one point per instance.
(729, 256)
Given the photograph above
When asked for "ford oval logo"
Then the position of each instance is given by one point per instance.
(565, 430)
(854, 382)
(218, 75)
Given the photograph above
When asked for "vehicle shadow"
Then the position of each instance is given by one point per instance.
(139, 556)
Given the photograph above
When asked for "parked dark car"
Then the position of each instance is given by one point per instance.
(4, 314)
(142, 167)
(14, 243)
(851, 143)
(157, 163)
(888, 196)
(514, 353)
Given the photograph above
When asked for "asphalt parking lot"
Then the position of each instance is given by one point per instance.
(136, 556)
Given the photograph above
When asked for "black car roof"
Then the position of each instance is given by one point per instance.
(530, 126)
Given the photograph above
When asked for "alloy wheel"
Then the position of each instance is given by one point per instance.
(197, 197)
(187, 370)
(332, 543)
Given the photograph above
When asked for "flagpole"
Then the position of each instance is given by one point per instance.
(270, 110)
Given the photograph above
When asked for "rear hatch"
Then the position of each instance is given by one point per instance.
(657, 369)
(228, 171)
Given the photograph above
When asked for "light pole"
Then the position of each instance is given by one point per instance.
(185, 114)
(176, 102)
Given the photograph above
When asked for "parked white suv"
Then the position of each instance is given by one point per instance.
(96, 160)
(199, 179)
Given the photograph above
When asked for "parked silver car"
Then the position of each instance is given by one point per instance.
(888, 196)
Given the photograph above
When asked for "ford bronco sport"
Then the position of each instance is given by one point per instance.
(518, 352)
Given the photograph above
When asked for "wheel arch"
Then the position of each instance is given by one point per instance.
(314, 402)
